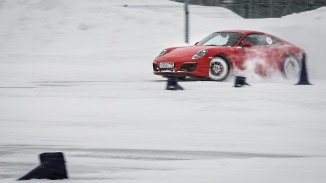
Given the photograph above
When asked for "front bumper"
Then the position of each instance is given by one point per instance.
(179, 69)
(182, 67)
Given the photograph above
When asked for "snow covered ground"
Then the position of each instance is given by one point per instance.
(76, 76)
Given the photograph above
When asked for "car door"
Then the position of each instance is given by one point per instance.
(257, 55)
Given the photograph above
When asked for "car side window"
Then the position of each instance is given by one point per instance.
(261, 40)
(255, 39)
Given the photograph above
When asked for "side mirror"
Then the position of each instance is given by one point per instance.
(247, 45)
(196, 43)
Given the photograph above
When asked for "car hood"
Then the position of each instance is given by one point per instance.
(188, 51)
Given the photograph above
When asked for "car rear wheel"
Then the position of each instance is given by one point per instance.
(219, 69)
(291, 67)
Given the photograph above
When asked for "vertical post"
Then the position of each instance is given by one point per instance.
(246, 8)
(186, 22)
(251, 9)
(270, 8)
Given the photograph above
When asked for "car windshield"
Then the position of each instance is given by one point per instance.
(220, 39)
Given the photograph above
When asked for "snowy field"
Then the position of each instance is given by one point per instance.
(76, 76)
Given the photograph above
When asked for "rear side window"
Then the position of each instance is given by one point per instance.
(271, 41)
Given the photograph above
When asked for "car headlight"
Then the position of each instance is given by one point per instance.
(200, 54)
(162, 52)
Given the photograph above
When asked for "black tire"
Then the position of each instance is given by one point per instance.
(291, 67)
(219, 69)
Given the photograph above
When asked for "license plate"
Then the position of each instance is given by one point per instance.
(166, 65)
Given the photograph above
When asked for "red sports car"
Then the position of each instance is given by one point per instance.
(222, 53)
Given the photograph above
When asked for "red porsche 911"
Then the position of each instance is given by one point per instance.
(222, 53)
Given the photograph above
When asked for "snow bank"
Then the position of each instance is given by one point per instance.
(110, 30)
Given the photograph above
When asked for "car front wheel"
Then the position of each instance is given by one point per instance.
(219, 69)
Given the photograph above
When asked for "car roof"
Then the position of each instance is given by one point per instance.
(246, 32)
(243, 31)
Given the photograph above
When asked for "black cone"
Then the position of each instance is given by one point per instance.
(303, 74)
(172, 84)
(240, 81)
(52, 167)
